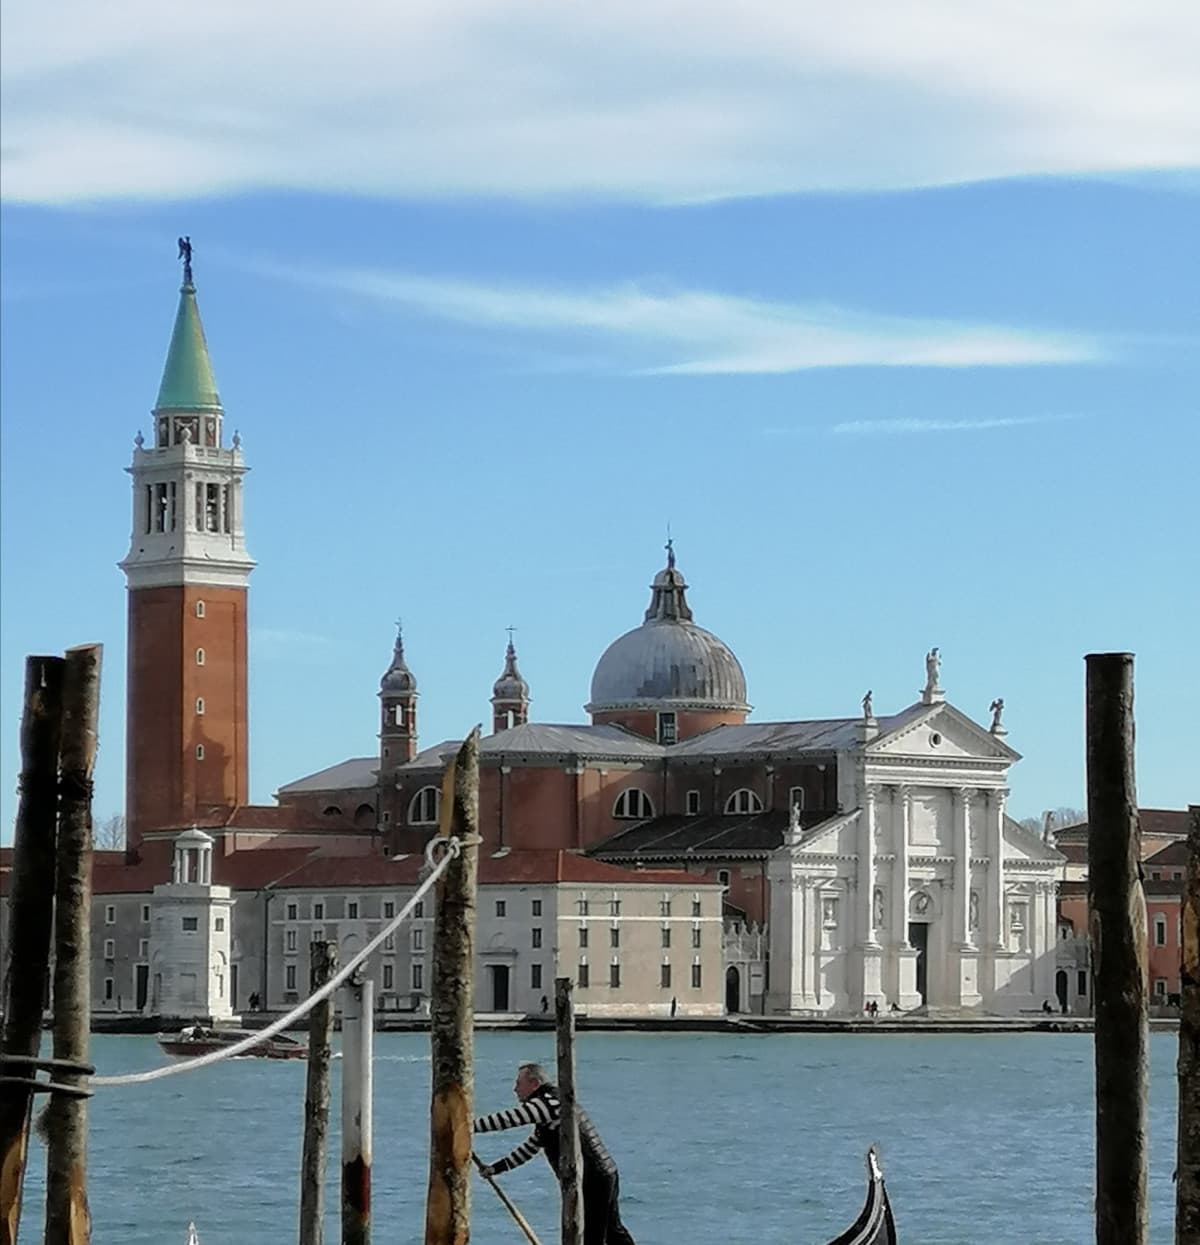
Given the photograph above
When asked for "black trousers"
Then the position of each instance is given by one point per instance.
(602, 1212)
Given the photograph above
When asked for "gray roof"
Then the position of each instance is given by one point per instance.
(675, 836)
(548, 739)
(356, 772)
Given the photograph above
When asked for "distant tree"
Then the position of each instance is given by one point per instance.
(109, 835)
(1059, 817)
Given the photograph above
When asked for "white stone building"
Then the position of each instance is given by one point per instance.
(923, 892)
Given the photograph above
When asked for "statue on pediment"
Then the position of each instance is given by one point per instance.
(867, 707)
(933, 669)
(996, 708)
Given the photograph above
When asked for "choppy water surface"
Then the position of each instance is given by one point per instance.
(721, 1139)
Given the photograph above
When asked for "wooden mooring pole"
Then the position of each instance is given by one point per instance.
(323, 957)
(30, 919)
(1117, 908)
(570, 1160)
(452, 1014)
(358, 1091)
(68, 1219)
(1187, 1162)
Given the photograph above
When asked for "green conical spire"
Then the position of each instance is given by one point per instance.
(188, 383)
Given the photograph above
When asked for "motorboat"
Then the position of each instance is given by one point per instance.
(203, 1039)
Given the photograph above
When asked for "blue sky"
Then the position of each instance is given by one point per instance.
(892, 316)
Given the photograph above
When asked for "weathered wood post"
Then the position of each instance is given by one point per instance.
(1187, 1163)
(30, 920)
(358, 1050)
(570, 1160)
(323, 957)
(68, 1219)
(452, 1014)
(1117, 908)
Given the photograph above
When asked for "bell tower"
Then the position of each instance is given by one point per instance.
(186, 571)
(510, 693)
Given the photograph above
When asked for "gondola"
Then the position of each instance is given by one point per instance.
(874, 1225)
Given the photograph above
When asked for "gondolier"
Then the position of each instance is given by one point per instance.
(601, 1181)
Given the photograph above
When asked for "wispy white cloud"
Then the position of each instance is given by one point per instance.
(662, 331)
(917, 427)
(660, 102)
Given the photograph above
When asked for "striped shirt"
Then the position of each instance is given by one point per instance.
(541, 1110)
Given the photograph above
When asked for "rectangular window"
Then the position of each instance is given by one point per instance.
(666, 728)
(389, 943)
(418, 976)
(351, 909)
(143, 948)
(419, 910)
(160, 507)
(289, 977)
(110, 914)
(501, 907)
(191, 924)
(666, 935)
(696, 976)
(1160, 988)
(389, 909)
(293, 911)
(535, 936)
(695, 906)
(535, 907)
(110, 948)
(614, 936)
(535, 976)
(318, 910)
(695, 935)
(664, 979)
(1160, 931)
(664, 906)
(418, 940)
(583, 935)
(317, 935)
(614, 975)
(614, 906)
(389, 976)
(693, 803)
(582, 905)
(1081, 984)
(219, 924)
(108, 989)
(583, 977)
(145, 914)
(290, 941)
(212, 507)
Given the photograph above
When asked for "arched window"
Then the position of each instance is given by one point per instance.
(424, 807)
(331, 811)
(199, 609)
(199, 657)
(633, 803)
(743, 801)
(200, 704)
(364, 817)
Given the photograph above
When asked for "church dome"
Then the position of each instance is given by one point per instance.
(668, 662)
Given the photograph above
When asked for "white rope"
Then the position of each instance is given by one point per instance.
(452, 848)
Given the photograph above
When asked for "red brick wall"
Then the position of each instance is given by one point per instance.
(1164, 960)
(165, 781)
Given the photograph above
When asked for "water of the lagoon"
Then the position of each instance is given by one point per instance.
(722, 1140)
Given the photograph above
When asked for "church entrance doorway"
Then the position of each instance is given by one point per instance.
(733, 990)
(141, 985)
(918, 937)
(499, 987)
(1060, 988)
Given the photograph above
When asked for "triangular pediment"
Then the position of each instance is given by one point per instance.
(1022, 844)
(939, 730)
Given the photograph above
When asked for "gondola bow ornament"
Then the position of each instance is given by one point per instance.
(874, 1225)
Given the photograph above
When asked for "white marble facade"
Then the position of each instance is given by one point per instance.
(923, 892)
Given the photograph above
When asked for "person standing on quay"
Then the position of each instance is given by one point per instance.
(601, 1181)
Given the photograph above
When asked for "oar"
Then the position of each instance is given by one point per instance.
(522, 1222)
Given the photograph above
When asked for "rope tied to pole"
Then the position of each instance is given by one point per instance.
(453, 847)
